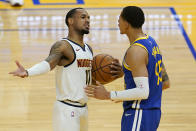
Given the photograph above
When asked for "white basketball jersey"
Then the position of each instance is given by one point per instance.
(71, 79)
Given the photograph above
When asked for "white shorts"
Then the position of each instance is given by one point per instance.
(69, 118)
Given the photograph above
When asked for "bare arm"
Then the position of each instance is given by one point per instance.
(57, 51)
(165, 78)
(137, 61)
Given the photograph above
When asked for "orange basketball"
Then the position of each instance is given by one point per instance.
(101, 68)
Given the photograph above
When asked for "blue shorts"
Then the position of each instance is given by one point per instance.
(140, 120)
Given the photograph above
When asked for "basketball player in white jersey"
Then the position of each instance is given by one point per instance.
(72, 59)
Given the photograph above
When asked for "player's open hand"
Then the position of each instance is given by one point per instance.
(97, 91)
(20, 72)
(116, 69)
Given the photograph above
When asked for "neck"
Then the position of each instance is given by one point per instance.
(135, 34)
(76, 37)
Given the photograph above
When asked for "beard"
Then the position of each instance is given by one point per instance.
(84, 31)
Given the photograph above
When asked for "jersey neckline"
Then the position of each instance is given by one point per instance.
(140, 38)
(83, 48)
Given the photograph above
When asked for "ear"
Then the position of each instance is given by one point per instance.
(70, 21)
(126, 24)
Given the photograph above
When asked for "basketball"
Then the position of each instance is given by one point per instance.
(101, 68)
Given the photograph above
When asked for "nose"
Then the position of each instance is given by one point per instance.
(88, 20)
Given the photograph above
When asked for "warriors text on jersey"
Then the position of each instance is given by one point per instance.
(71, 79)
(154, 68)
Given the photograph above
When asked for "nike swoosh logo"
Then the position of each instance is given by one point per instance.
(128, 114)
(77, 49)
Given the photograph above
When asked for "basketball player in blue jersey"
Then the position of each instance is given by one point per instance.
(72, 59)
(144, 75)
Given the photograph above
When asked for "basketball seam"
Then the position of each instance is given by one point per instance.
(97, 70)
(100, 68)
(96, 67)
(105, 66)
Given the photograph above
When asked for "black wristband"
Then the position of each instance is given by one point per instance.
(27, 73)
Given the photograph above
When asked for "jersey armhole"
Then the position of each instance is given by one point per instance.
(126, 66)
(73, 52)
(138, 44)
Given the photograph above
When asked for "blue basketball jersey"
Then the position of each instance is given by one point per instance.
(154, 68)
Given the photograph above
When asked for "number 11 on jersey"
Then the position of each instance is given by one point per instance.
(88, 77)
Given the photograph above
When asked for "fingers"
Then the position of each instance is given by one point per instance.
(117, 101)
(11, 72)
(116, 60)
(90, 90)
(15, 73)
(98, 83)
(18, 64)
(116, 69)
(116, 74)
(89, 93)
(115, 66)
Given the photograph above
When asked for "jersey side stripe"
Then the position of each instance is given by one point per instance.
(138, 104)
(135, 120)
(134, 104)
(139, 120)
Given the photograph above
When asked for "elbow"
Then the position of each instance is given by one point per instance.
(166, 84)
(145, 94)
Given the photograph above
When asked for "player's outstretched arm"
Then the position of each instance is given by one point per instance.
(51, 61)
(165, 78)
(20, 72)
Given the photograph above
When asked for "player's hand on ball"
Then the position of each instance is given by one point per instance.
(97, 91)
(116, 69)
(20, 72)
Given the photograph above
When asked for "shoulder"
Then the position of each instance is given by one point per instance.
(136, 55)
(61, 45)
(136, 51)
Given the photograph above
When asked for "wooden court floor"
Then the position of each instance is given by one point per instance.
(27, 35)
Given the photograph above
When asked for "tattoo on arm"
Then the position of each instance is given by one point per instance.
(164, 74)
(55, 55)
